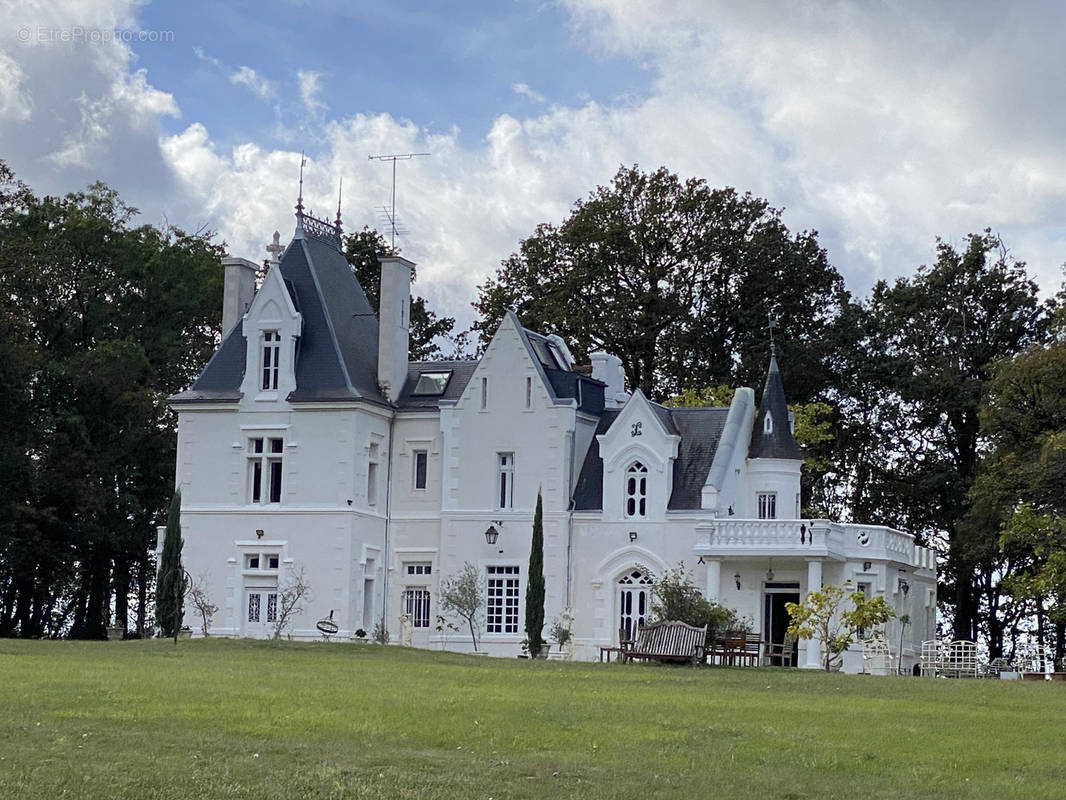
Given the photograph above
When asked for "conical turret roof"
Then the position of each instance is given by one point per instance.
(774, 440)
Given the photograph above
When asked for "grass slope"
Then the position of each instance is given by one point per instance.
(244, 719)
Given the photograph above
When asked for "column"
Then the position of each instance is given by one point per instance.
(714, 580)
(814, 645)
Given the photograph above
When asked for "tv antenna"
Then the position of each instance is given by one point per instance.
(394, 158)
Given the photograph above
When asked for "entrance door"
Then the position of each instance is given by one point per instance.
(775, 617)
(260, 612)
(634, 602)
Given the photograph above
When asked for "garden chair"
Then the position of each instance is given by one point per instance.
(781, 654)
(961, 660)
(932, 658)
(876, 657)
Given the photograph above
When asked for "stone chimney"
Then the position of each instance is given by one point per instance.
(238, 289)
(394, 324)
(608, 368)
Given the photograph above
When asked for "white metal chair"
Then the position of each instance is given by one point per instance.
(932, 658)
(961, 659)
(876, 657)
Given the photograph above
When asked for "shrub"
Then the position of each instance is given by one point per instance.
(675, 596)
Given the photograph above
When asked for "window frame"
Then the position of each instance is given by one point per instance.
(503, 599)
(417, 601)
(265, 456)
(635, 496)
(766, 505)
(270, 355)
(505, 474)
(418, 455)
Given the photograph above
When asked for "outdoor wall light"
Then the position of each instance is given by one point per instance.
(866, 566)
(770, 571)
(632, 536)
(736, 577)
(259, 533)
(904, 586)
(491, 534)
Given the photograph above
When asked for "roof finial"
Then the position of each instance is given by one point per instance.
(340, 187)
(300, 198)
(771, 323)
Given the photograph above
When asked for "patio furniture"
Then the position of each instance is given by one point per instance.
(932, 658)
(876, 657)
(960, 660)
(781, 654)
(669, 641)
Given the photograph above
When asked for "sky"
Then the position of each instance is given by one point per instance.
(882, 125)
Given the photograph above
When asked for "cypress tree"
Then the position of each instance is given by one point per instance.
(168, 600)
(535, 584)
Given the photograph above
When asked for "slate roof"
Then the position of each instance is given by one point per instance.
(779, 443)
(336, 356)
(461, 371)
(700, 430)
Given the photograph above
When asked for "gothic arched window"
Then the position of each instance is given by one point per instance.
(636, 490)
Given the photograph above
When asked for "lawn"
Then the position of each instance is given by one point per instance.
(244, 719)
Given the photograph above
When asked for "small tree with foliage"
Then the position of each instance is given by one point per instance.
(535, 584)
(675, 596)
(461, 595)
(823, 614)
(170, 586)
(291, 596)
(201, 601)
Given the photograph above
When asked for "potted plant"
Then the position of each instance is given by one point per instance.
(562, 635)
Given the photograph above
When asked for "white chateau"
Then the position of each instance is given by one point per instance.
(311, 442)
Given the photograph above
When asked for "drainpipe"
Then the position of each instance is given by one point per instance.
(388, 517)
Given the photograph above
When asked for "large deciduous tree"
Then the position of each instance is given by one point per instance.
(102, 320)
(938, 336)
(677, 280)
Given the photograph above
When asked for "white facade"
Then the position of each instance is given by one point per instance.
(378, 494)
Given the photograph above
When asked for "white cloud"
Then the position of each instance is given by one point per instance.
(524, 90)
(246, 76)
(310, 83)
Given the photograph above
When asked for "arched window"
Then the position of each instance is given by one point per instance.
(768, 423)
(636, 490)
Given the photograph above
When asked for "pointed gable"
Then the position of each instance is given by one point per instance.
(772, 435)
(336, 355)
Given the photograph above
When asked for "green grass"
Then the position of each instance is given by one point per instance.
(243, 719)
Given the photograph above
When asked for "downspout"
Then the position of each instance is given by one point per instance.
(570, 437)
(388, 517)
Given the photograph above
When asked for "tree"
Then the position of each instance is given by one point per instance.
(101, 321)
(677, 280)
(291, 596)
(675, 597)
(461, 595)
(362, 251)
(535, 583)
(201, 601)
(939, 336)
(170, 589)
(823, 615)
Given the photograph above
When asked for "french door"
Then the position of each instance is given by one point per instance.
(634, 602)
(260, 612)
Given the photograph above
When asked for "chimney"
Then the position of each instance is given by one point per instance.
(394, 323)
(238, 289)
(608, 368)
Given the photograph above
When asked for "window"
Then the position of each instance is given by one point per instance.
(864, 589)
(432, 383)
(271, 560)
(502, 606)
(271, 351)
(372, 476)
(421, 461)
(529, 392)
(637, 490)
(419, 568)
(251, 561)
(261, 561)
(505, 484)
(544, 353)
(767, 505)
(264, 469)
(484, 393)
(768, 423)
(416, 603)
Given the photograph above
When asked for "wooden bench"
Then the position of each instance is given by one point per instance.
(672, 641)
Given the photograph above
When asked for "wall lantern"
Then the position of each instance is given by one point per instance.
(259, 533)
(736, 577)
(770, 571)
(866, 566)
(491, 534)
(904, 586)
(632, 536)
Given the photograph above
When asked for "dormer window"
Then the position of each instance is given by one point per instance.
(271, 352)
(432, 383)
(768, 423)
(637, 490)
